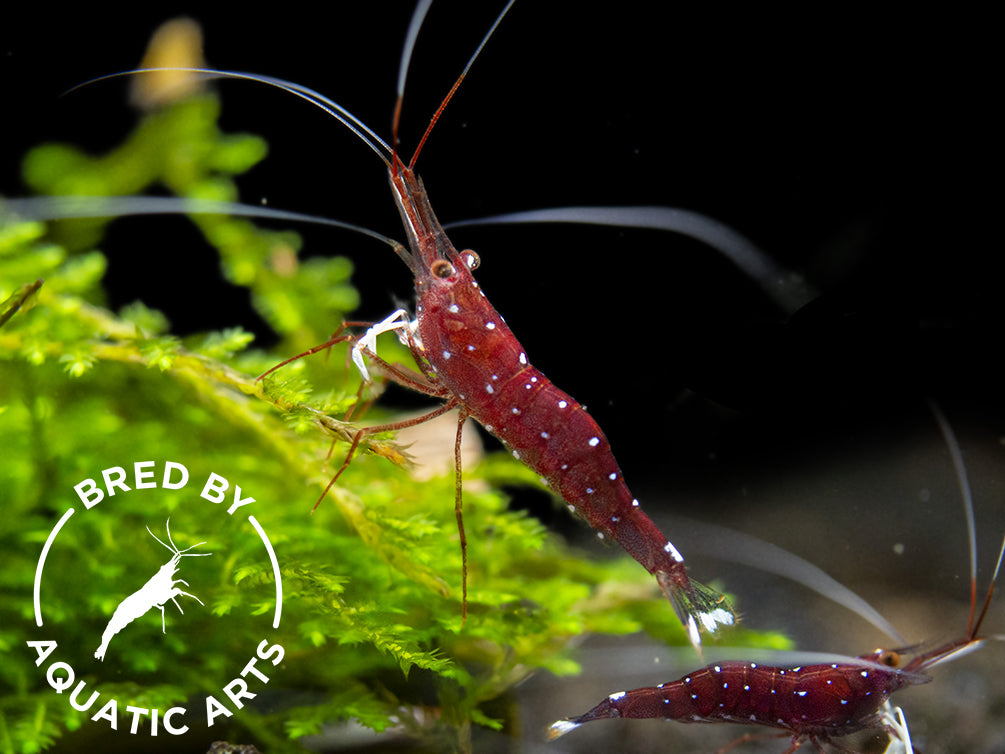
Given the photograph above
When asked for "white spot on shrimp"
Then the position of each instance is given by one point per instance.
(489, 428)
(725, 685)
(864, 673)
(717, 669)
(446, 355)
(515, 410)
(454, 308)
(544, 481)
(615, 519)
(589, 490)
(800, 693)
(635, 503)
(516, 455)
(687, 679)
(533, 379)
(600, 535)
(545, 435)
(523, 358)
(694, 696)
(617, 695)
(844, 701)
(572, 508)
(489, 389)
(490, 325)
(668, 547)
(565, 466)
(471, 348)
(612, 476)
(527, 386)
(562, 404)
(461, 396)
(594, 442)
(753, 665)
(746, 687)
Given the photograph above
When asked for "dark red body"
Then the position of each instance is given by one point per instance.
(477, 358)
(816, 700)
(470, 354)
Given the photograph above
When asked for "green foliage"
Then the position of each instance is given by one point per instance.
(372, 627)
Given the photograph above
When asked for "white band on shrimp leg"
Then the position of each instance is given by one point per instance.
(395, 321)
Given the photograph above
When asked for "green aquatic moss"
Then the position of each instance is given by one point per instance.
(372, 626)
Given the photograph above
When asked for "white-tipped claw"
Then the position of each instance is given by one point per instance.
(896, 725)
(398, 320)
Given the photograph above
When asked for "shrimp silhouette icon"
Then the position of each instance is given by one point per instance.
(160, 588)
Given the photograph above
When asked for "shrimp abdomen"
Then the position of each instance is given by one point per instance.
(837, 698)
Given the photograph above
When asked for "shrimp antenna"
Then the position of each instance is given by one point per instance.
(968, 502)
(173, 547)
(406, 55)
(346, 118)
(745, 549)
(44, 208)
(789, 290)
(971, 642)
(170, 547)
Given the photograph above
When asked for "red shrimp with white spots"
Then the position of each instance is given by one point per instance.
(814, 703)
(470, 357)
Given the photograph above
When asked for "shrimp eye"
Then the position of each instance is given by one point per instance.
(441, 268)
(889, 658)
(471, 259)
